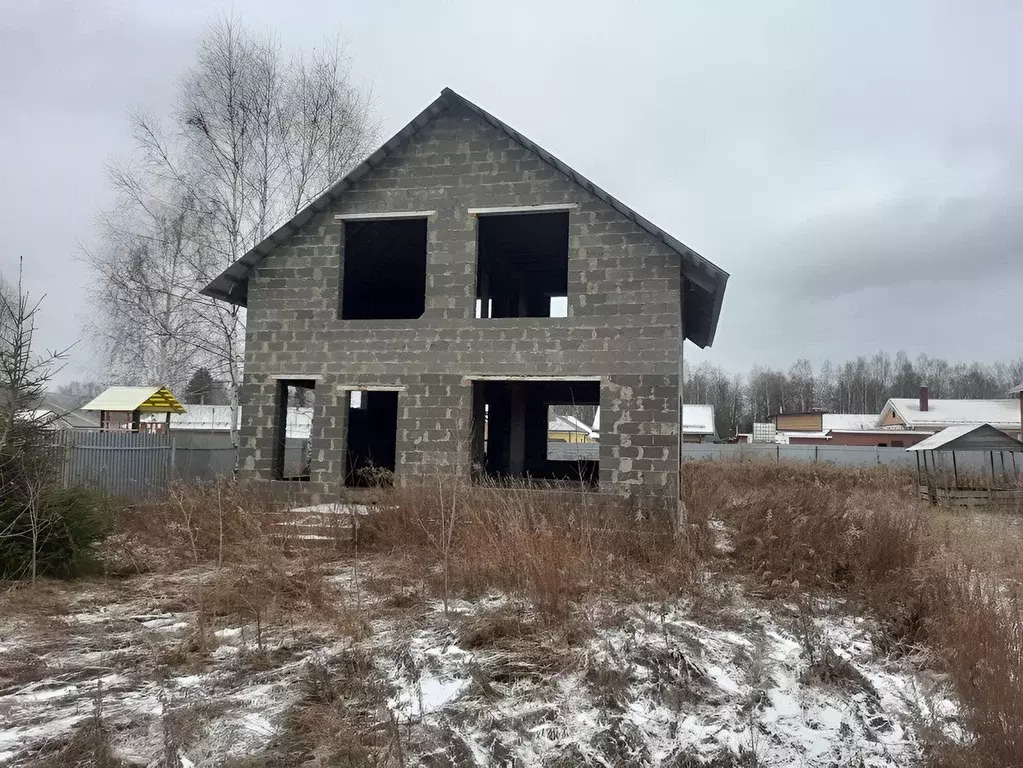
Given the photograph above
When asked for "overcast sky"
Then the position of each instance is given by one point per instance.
(857, 169)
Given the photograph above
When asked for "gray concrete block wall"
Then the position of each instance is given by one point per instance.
(624, 322)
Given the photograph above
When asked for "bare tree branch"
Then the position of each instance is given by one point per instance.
(256, 133)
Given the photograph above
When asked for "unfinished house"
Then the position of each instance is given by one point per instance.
(436, 303)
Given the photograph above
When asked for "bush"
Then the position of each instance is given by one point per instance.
(69, 523)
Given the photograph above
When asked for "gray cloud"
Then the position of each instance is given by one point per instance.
(850, 165)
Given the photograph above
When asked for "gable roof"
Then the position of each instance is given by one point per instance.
(145, 399)
(66, 411)
(704, 281)
(969, 437)
(568, 424)
(946, 413)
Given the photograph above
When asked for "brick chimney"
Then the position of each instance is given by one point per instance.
(923, 399)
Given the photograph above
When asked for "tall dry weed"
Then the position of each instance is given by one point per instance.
(552, 546)
(234, 537)
(930, 576)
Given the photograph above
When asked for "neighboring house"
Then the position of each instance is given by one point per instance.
(881, 438)
(821, 421)
(822, 428)
(132, 409)
(64, 412)
(923, 414)
(429, 278)
(698, 423)
(568, 429)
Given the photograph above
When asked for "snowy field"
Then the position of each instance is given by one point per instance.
(730, 679)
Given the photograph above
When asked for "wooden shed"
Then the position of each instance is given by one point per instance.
(994, 479)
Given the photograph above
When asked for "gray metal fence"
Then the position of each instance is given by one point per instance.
(117, 462)
(841, 455)
(133, 464)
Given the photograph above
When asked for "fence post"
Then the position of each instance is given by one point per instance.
(816, 453)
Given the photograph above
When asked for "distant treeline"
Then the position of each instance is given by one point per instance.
(855, 386)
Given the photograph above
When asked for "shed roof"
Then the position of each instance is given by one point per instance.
(145, 399)
(704, 281)
(1017, 390)
(947, 413)
(969, 437)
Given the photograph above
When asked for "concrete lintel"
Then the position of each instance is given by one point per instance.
(384, 215)
(506, 377)
(512, 209)
(296, 376)
(370, 388)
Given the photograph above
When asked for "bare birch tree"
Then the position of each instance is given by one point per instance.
(255, 134)
(143, 278)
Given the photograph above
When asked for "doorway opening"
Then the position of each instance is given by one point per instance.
(292, 448)
(372, 438)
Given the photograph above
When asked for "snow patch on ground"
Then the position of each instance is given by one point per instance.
(642, 684)
(659, 685)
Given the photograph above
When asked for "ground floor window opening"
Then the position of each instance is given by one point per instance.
(535, 431)
(372, 438)
(292, 455)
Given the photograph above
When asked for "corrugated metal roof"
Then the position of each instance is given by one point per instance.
(1018, 389)
(698, 419)
(847, 421)
(705, 281)
(147, 399)
(969, 437)
(947, 413)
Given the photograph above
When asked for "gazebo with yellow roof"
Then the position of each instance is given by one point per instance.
(121, 408)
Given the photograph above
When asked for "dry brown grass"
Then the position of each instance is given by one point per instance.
(928, 576)
(933, 580)
(241, 560)
(819, 526)
(552, 547)
(222, 521)
(338, 720)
